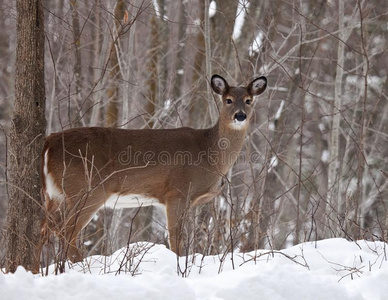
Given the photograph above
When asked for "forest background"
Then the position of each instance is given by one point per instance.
(315, 163)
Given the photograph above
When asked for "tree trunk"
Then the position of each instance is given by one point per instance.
(334, 202)
(180, 52)
(25, 212)
(198, 103)
(77, 67)
(112, 91)
(152, 72)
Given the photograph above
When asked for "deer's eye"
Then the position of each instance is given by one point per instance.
(248, 101)
(229, 101)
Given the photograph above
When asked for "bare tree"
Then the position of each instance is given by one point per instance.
(25, 212)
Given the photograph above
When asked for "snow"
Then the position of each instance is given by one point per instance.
(327, 269)
(280, 110)
(256, 44)
(212, 9)
(157, 8)
(325, 157)
(240, 18)
(273, 163)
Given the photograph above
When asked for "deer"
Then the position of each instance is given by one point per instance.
(86, 169)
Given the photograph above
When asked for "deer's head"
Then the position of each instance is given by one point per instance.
(237, 101)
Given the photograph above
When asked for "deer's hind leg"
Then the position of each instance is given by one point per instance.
(75, 219)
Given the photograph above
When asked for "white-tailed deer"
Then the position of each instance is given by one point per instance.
(85, 169)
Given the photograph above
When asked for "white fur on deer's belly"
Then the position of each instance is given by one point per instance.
(117, 201)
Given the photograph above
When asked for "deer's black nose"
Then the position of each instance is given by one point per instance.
(240, 116)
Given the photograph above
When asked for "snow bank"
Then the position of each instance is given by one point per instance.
(328, 269)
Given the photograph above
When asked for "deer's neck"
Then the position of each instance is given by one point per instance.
(228, 144)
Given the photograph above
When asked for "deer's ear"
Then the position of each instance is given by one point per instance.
(257, 86)
(219, 85)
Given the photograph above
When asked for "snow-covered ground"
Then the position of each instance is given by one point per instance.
(328, 269)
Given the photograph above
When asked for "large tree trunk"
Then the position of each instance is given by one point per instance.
(25, 212)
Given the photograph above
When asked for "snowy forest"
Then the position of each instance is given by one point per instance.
(315, 162)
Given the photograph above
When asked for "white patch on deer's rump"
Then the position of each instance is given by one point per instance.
(116, 201)
(52, 190)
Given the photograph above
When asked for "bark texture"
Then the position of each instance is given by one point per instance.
(25, 211)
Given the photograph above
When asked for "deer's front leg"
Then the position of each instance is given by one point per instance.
(176, 212)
